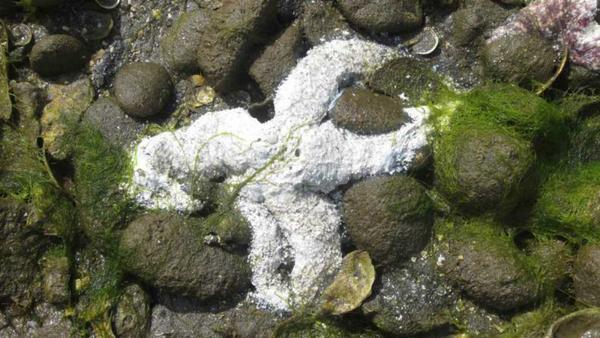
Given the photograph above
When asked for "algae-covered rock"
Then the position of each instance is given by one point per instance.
(278, 59)
(482, 169)
(62, 115)
(586, 275)
(143, 89)
(582, 323)
(310, 326)
(224, 47)
(585, 143)
(364, 112)
(131, 317)
(180, 45)
(390, 217)
(28, 100)
(481, 259)
(392, 16)
(56, 276)
(57, 54)
(322, 22)
(167, 252)
(524, 59)
(5, 104)
(411, 299)
(406, 78)
(351, 286)
(569, 204)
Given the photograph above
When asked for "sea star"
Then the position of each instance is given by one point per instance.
(287, 166)
(569, 22)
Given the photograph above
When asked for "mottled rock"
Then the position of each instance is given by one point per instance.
(390, 217)
(168, 252)
(476, 320)
(5, 104)
(278, 59)
(57, 54)
(28, 101)
(482, 170)
(585, 143)
(411, 299)
(583, 323)
(143, 89)
(366, 113)
(524, 59)
(322, 22)
(56, 277)
(45, 321)
(304, 326)
(117, 127)
(224, 47)
(62, 114)
(131, 318)
(406, 78)
(586, 275)
(391, 16)
(470, 22)
(179, 46)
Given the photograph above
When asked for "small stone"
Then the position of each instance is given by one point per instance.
(58, 54)
(366, 113)
(427, 42)
(391, 16)
(389, 217)
(351, 286)
(586, 275)
(197, 80)
(206, 95)
(143, 89)
(132, 314)
(56, 276)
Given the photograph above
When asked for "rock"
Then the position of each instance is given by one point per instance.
(62, 114)
(167, 251)
(302, 326)
(143, 89)
(22, 247)
(477, 321)
(390, 217)
(180, 45)
(482, 170)
(44, 3)
(44, 321)
(406, 78)
(278, 59)
(582, 79)
(585, 143)
(470, 23)
(569, 204)
(225, 46)
(351, 286)
(586, 275)
(132, 314)
(289, 10)
(56, 277)
(582, 323)
(524, 59)
(390, 16)
(243, 321)
(57, 54)
(366, 113)
(28, 100)
(411, 299)
(322, 22)
(482, 260)
(117, 127)
(5, 104)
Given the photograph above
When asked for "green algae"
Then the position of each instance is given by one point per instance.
(5, 103)
(311, 325)
(534, 323)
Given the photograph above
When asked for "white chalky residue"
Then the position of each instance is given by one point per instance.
(293, 160)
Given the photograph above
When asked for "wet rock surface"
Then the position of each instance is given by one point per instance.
(57, 54)
(586, 275)
(106, 115)
(132, 314)
(180, 46)
(383, 15)
(56, 278)
(323, 22)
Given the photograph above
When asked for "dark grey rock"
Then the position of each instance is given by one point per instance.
(392, 16)
(225, 47)
(57, 54)
(390, 217)
(411, 299)
(168, 252)
(471, 22)
(117, 127)
(44, 321)
(586, 275)
(131, 317)
(143, 89)
(366, 113)
(322, 22)
(180, 45)
(289, 10)
(278, 59)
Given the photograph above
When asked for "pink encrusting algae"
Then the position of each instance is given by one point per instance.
(568, 22)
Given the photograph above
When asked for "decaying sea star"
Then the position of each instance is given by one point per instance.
(293, 161)
(569, 22)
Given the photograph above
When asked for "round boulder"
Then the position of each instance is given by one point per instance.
(57, 54)
(380, 16)
(586, 275)
(389, 217)
(143, 89)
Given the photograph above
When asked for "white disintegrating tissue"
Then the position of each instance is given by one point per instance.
(288, 165)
